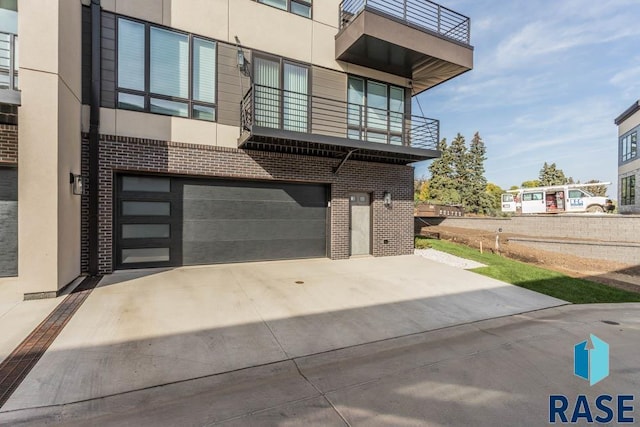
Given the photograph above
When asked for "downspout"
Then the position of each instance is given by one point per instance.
(94, 140)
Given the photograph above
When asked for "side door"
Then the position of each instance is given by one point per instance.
(508, 203)
(575, 202)
(533, 202)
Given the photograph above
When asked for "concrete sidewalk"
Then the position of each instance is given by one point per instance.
(146, 329)
(497, 372)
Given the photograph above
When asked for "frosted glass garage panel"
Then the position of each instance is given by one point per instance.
(146, 231)
(146, 208)
(134, 256)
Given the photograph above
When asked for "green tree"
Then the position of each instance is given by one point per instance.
(528, 184)
(474, 196)
(494, 193)
(421, 190)
(442, 185)
(596, 190)
(551, 175)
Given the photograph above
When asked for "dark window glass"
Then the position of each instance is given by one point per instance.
(145, 231)
(170, 108)
(145, 183)
(146, 208)
(128, 101)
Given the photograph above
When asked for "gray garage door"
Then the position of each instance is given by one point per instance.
(177, 221)
(8, 222)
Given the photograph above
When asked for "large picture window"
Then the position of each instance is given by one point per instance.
(165, 72)
(299, 7)
(628, 190)
(629, 146)
(375, 112)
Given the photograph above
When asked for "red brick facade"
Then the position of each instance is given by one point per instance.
(8, 144)
(392, 226)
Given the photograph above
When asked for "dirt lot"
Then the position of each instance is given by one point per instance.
(602, 271)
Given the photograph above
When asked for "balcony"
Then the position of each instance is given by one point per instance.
(9, 93)
(416, 39)
(283, 121)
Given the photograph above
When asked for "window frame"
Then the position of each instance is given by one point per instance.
(281, 62)
(146, 94)
(365, 128)
(627, 153)
(308, 3)
(628, 190)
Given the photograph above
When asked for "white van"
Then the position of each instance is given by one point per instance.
(554, 199)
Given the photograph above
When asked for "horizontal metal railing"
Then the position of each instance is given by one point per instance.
(274, 108)
(8, 61)
(423, 14)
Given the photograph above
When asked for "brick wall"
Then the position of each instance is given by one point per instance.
(392, 226)
(8, 144)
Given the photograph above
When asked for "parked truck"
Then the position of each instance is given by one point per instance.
(570, 198)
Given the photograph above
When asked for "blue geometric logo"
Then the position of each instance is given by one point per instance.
(591, 364)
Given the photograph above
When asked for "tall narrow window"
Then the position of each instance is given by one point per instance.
(204, 78)
(295, 97)
(628, 190)
(169, 63)
(267, 96)
(355, 98)
(131, 40)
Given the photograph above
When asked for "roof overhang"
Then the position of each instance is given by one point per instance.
(378, 41)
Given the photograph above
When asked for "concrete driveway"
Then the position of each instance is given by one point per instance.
(143, 329)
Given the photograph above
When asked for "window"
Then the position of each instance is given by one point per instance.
(576, 194)
(629, 146)
(299, 7)
(628, 190)
(165, 72)
(281, 94)
(375, 111)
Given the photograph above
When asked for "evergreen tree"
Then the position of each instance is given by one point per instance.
(474, 195)
(551, 175)
(442, 186)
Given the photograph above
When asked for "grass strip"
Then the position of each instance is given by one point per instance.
(548, 282)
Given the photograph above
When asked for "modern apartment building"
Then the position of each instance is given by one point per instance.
(161, 133)
(628, 160)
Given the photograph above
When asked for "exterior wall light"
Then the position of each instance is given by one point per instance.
(77, 184)
(387, 198)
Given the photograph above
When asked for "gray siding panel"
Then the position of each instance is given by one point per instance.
(230, 88)
(8, 222)
(108, 60)
(329, 109)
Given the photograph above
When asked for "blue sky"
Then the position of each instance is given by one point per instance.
(549, 78)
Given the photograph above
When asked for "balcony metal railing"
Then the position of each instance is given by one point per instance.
(423, 14)
(8, 61)
(279, 109)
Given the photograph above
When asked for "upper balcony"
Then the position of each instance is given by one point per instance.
(278, 120)
(9, 93)
(416, 39)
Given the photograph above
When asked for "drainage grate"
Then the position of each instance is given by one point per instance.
(15, 368)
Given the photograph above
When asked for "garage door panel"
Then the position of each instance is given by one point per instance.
(256, 210)
(303, 195)
(251, 230)
(217, 221)
(195, 253)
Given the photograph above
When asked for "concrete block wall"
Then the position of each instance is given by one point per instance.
(392, 226)
(608, 228)
(627, 253)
